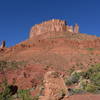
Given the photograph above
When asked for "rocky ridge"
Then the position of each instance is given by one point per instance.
(53, 25)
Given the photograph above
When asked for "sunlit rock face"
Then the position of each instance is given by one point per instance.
(76, 28)
(53, 25)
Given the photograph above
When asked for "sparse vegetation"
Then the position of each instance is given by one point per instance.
(78, 91)
(5, 91)
(11, 64)
(90, 49)
(24, 95)
(88, 81)
(90, 88)
(74, 78)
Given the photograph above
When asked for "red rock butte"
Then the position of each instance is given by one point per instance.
(54, 25)
(41, 63)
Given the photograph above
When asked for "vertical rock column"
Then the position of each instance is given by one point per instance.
(3, 44)
(76, 28)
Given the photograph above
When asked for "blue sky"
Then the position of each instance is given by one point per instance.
(18, 16)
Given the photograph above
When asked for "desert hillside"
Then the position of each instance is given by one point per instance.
(53, 64)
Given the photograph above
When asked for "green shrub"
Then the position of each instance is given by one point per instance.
(78, 91)
(94, 68)
(91, 71)
(88, 81)
(6, 92)
(95, 78)
(75, 77)
(94, 74)
(24, 95)
(90, 88)
(4, 86)
(90, 49)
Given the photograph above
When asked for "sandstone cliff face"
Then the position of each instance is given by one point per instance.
(53, 25)
(49, 26)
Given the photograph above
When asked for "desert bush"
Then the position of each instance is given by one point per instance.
(88, 81)
(95, 79)
(74, 78)
(90, 49)
(78, 91)
(6, 93)
(94, 68)
(24, 95)
(93, 73)
(5, 88)
(90, 88)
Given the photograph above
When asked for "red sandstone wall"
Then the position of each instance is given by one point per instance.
(49, 26)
